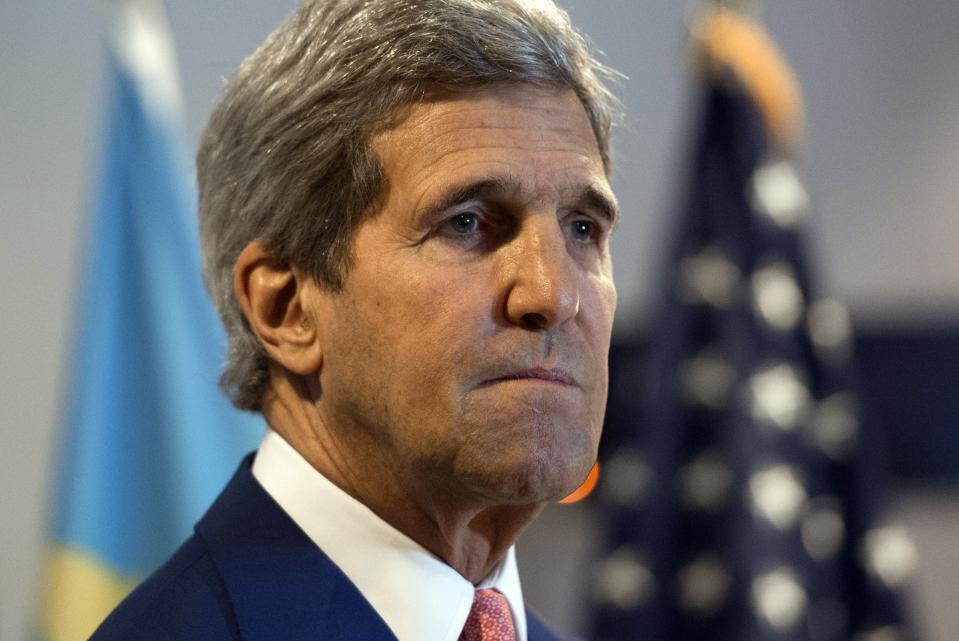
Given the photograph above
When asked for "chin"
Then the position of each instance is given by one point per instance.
(510, 454)
(530, 475)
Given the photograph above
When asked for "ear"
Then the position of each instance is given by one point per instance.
(271, 294)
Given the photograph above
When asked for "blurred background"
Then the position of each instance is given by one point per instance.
(880, 161)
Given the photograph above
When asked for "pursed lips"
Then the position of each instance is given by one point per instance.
(555, 375)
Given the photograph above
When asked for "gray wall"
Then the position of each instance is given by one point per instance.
(882, 85)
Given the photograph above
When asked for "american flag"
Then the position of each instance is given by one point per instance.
(739, 479)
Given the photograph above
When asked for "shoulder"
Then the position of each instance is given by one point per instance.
(182, 601)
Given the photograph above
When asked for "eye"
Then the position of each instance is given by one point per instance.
(584, 231)
(463, 224)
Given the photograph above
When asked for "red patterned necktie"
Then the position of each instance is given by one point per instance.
(489, 619)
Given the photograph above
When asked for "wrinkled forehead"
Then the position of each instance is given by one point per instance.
(536, 139)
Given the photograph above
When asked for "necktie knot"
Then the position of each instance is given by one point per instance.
(489, 619)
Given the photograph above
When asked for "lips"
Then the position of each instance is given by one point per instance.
(547, 374)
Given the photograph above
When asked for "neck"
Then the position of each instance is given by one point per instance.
(469, 533)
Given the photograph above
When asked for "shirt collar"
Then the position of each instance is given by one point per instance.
(413, 591)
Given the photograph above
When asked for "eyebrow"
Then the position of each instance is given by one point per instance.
(473, 190)
(590, 197)
(596, 199)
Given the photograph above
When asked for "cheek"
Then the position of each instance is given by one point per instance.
(600, 298)
(605, 291)
(418, 340)
(597, 308)
(437, 315)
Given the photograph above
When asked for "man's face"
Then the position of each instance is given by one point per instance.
(469, 342)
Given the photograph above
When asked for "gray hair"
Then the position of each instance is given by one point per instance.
(286, 157)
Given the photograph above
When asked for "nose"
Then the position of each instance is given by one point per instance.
(543, 287)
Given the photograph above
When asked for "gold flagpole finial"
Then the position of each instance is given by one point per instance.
(727, 37)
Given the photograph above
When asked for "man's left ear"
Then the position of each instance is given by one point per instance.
(272, 294)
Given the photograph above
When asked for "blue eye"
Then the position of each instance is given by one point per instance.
(583, 230)
(464, 223)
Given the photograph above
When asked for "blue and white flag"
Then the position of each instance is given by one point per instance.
(742, 496)
(148, 439)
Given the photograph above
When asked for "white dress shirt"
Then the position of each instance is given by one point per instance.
(414, 592)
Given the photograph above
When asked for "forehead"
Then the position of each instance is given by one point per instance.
(538, 139)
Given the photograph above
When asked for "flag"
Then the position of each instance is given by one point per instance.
(148, 439)
(741, 494)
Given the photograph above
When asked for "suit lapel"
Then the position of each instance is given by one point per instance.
(281, 585)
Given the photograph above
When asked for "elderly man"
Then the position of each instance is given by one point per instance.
(405, 217)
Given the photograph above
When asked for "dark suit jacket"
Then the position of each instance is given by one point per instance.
(249, 573)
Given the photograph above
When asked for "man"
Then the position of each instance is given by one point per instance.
(405, 217)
